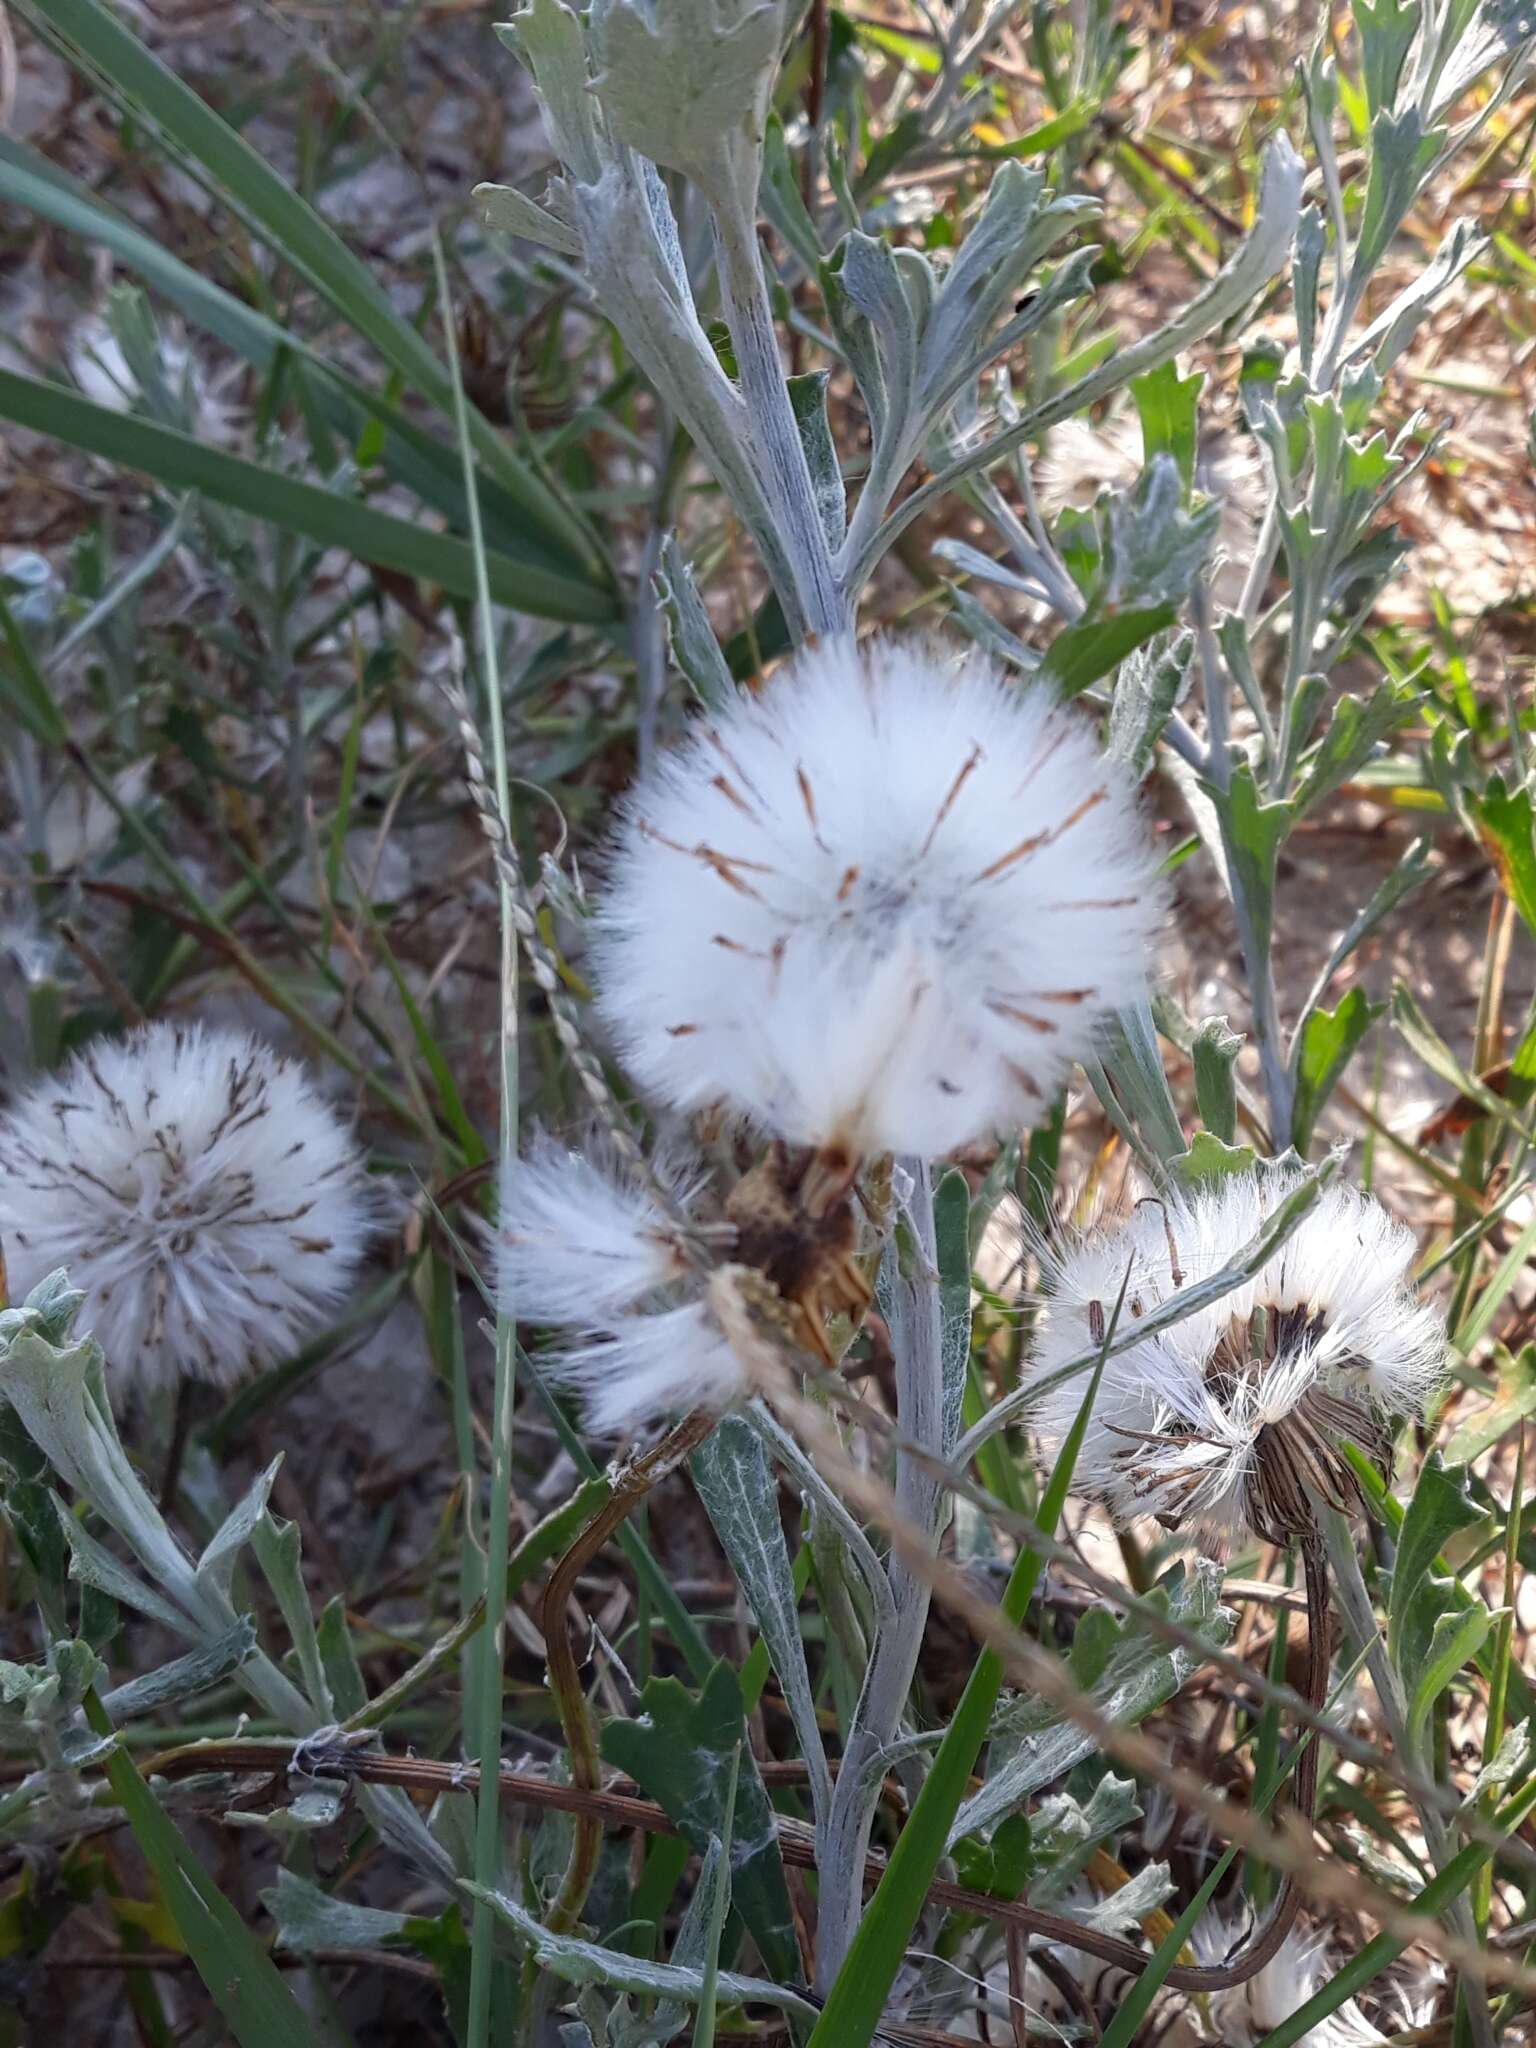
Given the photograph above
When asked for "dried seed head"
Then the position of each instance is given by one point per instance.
(593, 1249)
(879, 907)
(1233, 1417)
(197, 1189)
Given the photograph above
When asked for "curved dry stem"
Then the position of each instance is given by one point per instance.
(632, 1482)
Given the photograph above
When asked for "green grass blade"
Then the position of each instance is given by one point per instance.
(858, 1995)
(406, 452)
(328, 517)
(241, 1978)
(24, 687)
(105, 48)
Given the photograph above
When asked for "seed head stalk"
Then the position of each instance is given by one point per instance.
(482, 1717)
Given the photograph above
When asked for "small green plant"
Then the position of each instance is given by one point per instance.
(885, 882)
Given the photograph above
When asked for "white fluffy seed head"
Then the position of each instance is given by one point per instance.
(883, 903)
(580, 1240)
(196, 1188)
(587, 1249)
(1327, 1335)
(1247, 2013)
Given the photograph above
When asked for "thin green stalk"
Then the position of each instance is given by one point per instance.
(484, 1714)
(858, 1994)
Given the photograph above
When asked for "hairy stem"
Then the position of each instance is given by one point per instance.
(781, 465)
(916, 1346)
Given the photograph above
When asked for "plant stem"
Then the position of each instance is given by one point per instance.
(482, 1718)
(917, 1350)
(780, 456)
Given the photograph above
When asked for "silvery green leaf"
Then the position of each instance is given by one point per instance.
(49, 1309)
(691, 642)
(1306, 266)
(59, 1395)
(1497, 28)
(808, 398)
(1214, 1052)
(308, 1918)
(1012, 233)
(972, 562)
(1149, 685)
(1126, 1049)
(736, 1484)
(1258, 258)
(782, 202)
(1385, 28)
(1395, 326)
(587, 1962)
(216, 1566)
(1141, 1673)
(511, 212)
(870, 280)
(305, 1814)
(686, 84)
(1153, 548)
(1402, 152)
(952, 1236)
(452, 1823)
(1232, 638)
(343, 1676)
(183, 1676)
(277, 1548)
(1121, 1912)
(1508, 1762)
(1070, 280)
(1410, 871)
(94, 1565)
(689, 1952)
(979, 623)
(1064, 1832)
(551, 40)
(636, 271)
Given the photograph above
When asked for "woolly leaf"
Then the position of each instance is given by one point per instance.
(216, 1566)
(1033, 1745)
(1214, 1052)
(1422, 1593)
(691, 639)
(736, 1484)
(1516, 1399)
(1148, 687)
(808, 400)
(511, 212)
(587, 1962)
(184, 1676)
(1090, 648)
(679, 1750)
(1504, 824)
(1324, 1048)
(679, 86)
(1166, 404)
